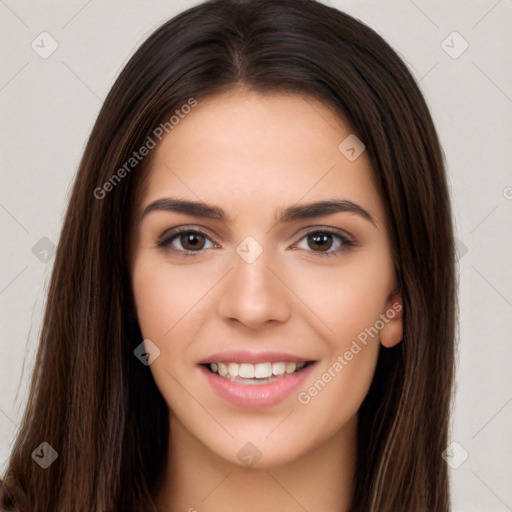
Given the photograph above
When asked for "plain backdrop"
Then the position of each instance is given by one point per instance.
(460, 52)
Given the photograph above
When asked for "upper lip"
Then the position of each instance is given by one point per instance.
(244, 356)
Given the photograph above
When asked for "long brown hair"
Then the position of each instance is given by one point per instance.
(94, 402)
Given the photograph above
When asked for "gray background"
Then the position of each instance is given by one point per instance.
(48, 106)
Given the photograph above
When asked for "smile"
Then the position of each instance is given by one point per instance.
(261, 373)
(250, 380)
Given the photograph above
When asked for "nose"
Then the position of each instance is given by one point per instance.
(253, 295)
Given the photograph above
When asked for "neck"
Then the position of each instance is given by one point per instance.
(198, 480)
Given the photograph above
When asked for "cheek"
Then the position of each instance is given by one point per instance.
(165, 295)
(155, 300)
(347, 298)
(335, 393)
(168, 300)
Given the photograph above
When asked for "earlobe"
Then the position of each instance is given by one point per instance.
(392, 332)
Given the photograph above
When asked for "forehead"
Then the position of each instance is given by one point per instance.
(245, 149)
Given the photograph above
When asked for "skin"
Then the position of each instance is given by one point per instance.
(253, 155)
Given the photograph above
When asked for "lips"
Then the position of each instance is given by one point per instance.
(253, 357)
(250, 379)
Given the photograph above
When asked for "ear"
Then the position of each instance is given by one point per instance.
(392, 332)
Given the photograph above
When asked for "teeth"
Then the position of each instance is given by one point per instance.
(290, 367)
(263, 370)
(278, 368)
(255, 371)
(233, 369)
(246, 371)
(223, 369)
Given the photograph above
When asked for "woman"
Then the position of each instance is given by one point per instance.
(253, 299)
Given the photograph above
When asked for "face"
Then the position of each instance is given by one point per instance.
(261, 269)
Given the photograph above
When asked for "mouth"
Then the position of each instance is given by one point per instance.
(256, 374)
(255, 380)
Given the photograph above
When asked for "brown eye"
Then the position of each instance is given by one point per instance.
(320, 241)
(185, 241)
(325, 242)
(192, 241)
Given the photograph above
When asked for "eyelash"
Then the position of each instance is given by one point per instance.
(167, 238)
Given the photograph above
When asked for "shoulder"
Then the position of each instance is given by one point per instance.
(6, 499)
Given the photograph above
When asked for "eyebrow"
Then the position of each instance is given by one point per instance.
(289, 214)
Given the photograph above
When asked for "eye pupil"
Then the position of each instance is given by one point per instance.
(319, 239)
(192, 241)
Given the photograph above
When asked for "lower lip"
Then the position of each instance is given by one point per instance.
(257, 395)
